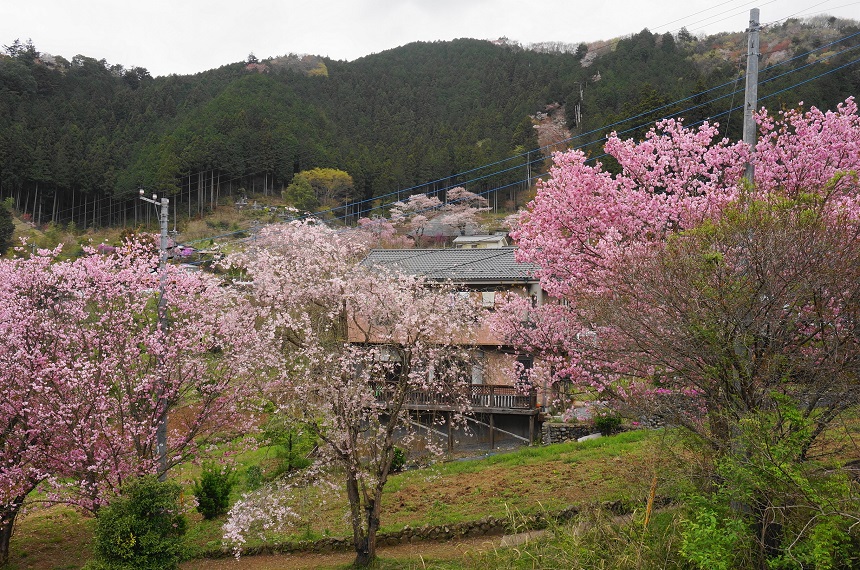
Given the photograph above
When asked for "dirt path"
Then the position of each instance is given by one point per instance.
(419, 552)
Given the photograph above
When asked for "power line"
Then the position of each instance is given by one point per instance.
(732, 108)
(699, 12)
(354, 205)
(357, 204)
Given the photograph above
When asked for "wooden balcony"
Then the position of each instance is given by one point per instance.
(483, 398)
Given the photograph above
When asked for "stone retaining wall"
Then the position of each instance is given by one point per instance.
(559, 433)
(487, 526)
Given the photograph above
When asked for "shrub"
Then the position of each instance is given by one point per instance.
(769, 506)
(292, 446)
(141, 529)
(212, 490)
(398, 461)
(607, 422)
(710, 539)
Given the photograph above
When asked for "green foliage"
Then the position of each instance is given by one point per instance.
(253, 477)
(141, 529)
(51, 236)
(317, 187)
(607, 422)
(213, 489)
(772, 506)
(711, 539)
(300, 194)
(292, 446)
(398, 462)
(7, 227)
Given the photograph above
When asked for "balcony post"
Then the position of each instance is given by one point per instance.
(492, 433)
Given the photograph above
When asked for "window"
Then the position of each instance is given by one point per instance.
(479, 365)
(488, 299)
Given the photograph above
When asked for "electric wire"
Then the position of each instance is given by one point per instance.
(761, 98)
(603, 128)
(538, 151)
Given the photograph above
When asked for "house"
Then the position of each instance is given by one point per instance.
(482, 241)
(484, 273)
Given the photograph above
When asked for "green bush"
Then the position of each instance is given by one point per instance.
(142, 529)
(212, 490)
(607, 422)
(711, 539)
(292, 446)
(768, 505)
(398, 461)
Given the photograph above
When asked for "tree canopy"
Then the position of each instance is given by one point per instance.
(91, 368)
(713, 303)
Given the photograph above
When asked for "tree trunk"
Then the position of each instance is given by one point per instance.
(8, 513)
(359, 539)
(365, 549)
(36, 214)
(364, 537)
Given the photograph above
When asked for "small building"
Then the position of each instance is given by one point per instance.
(499, 404)
(493, 241)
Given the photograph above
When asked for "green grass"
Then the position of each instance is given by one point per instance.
(526, 481)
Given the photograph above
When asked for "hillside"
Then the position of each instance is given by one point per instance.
(79, 136)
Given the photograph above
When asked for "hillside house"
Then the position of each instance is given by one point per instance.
(499, 404)
(493, 241)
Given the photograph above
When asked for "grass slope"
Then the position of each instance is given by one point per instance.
(525, 481)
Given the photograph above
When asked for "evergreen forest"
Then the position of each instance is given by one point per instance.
(80, 136)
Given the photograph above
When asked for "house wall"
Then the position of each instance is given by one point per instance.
(492, 364)
(499, 368)
(489, 297)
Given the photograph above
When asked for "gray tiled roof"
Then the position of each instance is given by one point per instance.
(459, 265)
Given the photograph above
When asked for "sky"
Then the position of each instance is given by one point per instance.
(189, 36)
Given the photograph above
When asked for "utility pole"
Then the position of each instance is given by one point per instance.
(161, 428)
(751, 90)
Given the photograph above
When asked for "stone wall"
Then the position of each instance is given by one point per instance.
(558, 433)
(487, 526)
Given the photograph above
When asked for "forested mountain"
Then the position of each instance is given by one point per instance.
(78, 137)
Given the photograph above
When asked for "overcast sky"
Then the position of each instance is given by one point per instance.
(189, 36)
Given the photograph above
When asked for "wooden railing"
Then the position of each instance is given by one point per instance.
(479, 396)
(510, 397)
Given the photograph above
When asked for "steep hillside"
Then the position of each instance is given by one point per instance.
(77, 138)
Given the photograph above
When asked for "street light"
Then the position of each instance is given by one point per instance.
(161, 428)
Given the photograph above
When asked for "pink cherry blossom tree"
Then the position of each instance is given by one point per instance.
(420, 212)
(727, 307)
(621, 251)
(88, 370)
(382, 233)
(356, 344)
